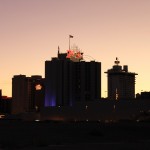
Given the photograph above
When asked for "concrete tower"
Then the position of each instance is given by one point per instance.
(121, 83)
(27, 93)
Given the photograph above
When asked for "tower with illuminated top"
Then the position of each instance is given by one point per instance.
(69, 79)
(121, 83)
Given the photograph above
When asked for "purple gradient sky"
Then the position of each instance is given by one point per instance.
(31, 30)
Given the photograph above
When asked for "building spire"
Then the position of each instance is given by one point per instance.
(117, 61)
(58, 50)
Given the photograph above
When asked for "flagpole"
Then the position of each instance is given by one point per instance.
(69, 42)
(70, 36)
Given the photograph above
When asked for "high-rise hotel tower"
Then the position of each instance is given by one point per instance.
(121, 83)
(69, 79)
(27, 93)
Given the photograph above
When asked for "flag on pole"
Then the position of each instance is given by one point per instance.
(70, 36)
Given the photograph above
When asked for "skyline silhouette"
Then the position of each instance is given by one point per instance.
(32, 30)
(30, 33)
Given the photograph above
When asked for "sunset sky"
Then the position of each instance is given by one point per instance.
(31, 31)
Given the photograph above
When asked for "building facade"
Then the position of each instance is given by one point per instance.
(68, 80)
(0, 94)
(27, 93)
(145, 95)
(121, 83)
(5, 105)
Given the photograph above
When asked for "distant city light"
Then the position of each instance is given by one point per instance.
(37, 120)
(38, 87)
(2, 116)
(114, 107)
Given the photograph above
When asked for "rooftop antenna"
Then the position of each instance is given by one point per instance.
(117, 61)
(58, 50)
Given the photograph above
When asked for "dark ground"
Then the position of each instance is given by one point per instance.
(71, 136)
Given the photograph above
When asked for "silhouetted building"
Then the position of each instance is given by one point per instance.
(145, 95)
(121, 83)
(0, 94)
(5, 104)
(68, 79)
(138, 95)
(27, 93)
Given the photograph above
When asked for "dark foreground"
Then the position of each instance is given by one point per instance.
(71, 136)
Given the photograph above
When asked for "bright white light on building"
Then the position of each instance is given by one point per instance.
(114, 107)
(37, 120)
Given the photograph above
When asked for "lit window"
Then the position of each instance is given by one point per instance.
(38, 87)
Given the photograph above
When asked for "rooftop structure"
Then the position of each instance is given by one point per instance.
(121, 83)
